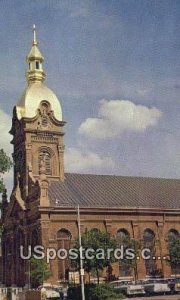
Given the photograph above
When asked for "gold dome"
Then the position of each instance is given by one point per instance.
(36, 91)
(31, 99)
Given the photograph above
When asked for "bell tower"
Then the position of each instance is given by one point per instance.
(37, 127)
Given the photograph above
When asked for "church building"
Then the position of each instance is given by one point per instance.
(42, 209)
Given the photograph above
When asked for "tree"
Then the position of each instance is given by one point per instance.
(174, 254)
(100, 242)
(5, 166)
(39, 271)
(104, 292)
(95, 292)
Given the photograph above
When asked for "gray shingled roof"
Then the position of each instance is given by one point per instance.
(115, 191)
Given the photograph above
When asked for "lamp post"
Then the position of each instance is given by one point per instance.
(81, 260)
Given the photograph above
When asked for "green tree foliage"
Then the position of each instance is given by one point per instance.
(174, 253)
(95, 292)
(39, 271)
(104, 292)
(95, 239)
(5, 166)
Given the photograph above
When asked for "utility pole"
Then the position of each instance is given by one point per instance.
(29, 274)
(81, 259)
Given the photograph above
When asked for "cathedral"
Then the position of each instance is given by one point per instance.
(42, 209)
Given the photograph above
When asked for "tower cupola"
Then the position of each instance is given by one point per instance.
(35, 60)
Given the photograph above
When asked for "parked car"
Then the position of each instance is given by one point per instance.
(128, 288)
(156, 286)
(50, 292)
(63, 292)
(120, 286)
(135, 288)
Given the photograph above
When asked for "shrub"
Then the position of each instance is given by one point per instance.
(104, 292)
(94, 292)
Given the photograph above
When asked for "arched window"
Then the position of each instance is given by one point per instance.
(63, 234)
(45, 161)
(149, 243)
(173, 234)
(122, 237)
(63, 242)
(122, 234)
(173, 237)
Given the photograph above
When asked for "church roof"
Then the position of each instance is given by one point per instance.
(108, 191)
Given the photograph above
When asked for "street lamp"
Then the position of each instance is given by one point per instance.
(81, 260)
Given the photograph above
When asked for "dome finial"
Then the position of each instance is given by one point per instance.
(34, 35)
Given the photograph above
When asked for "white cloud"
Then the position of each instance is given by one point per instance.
(115, 117)
(79, 160)
(5, 126)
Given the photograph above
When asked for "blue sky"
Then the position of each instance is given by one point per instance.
(113, 50)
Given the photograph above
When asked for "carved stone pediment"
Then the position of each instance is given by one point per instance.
(44, 121)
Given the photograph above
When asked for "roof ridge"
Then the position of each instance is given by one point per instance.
(122, 176)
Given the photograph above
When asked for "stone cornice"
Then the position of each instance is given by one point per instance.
(113, 210)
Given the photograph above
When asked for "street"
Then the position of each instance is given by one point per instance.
(167, 297)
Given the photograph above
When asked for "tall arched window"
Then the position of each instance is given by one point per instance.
(149, 243)
(173, 237)
(63, 242)
(45, 161)
(122, 238)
